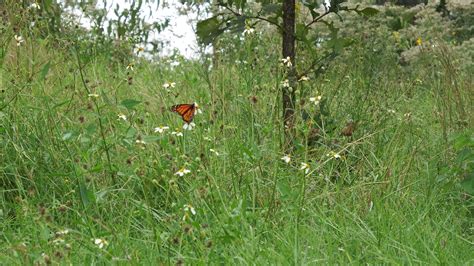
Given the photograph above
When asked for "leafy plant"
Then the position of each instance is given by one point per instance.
(463, 167)
(236, 17)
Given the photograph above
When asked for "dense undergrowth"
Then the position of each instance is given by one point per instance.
(86, 176)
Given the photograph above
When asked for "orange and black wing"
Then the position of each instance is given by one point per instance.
(186, 111)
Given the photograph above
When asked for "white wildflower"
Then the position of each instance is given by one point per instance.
(287, 61)
(35, 6)
(335, 155)
(161, 129)
(58, 241)
(177, 133)
(286, 158)
(248, 30)
(303, 78)
(62, 232)
(169, 85)
(215, 152)
(285, 83)
(122, 116)
(19, 40)
(305, 167)
(188, 208)
(316, 100)
(189, 126)
(197, 109)
(101, 243)
(183, 171)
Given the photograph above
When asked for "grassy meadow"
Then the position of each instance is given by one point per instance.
(96, 169)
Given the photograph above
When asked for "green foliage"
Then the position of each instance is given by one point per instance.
(209, 29)
(400, 18)
(463, 20)
(463, 145)
(130, 103)
(396, 193)
(368, 11)
(87, 195)
(44, 71)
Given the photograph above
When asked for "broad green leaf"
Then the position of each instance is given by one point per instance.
(131, 133)
(96, 169)
(314, 14)
(468, 183)
(44, 71)
(207, 30)
(129, 103)
(284, 189)
(87, 197)
(67, 135)
(248, 154)
(368, 11)
(121, 31)
(237, 210)
(45, 233)
(91, 128)
(337, 44)
(237, 25)
(335, 5)
(84, 139)
(101, 195)
(461, 141)
(149, 139)
(465, 155)
(312, 6)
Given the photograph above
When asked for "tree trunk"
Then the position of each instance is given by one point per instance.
(288, 50)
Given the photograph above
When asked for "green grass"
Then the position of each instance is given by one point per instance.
(68, 162)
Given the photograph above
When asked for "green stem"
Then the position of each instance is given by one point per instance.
(101, 126)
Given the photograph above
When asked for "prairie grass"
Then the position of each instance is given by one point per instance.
(69, 162)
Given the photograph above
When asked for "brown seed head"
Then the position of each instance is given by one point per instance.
(253, 99)
(348, 130)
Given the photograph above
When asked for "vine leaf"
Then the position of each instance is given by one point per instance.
(209, 29)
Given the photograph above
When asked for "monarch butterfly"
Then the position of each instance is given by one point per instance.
(186, 111)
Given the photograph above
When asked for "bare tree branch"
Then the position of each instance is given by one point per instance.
(317, 19)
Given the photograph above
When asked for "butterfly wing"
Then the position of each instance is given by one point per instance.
(186, 111)
(189, 115)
